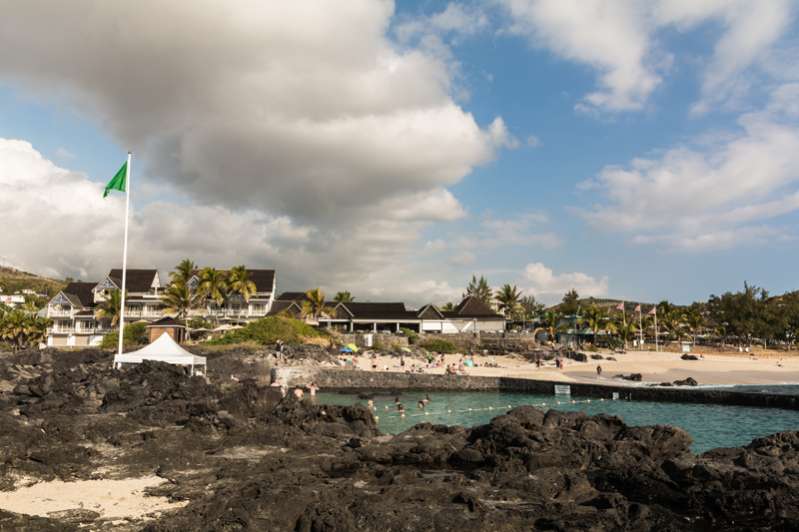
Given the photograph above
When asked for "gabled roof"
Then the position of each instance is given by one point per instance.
(264, 279)
(378, 311)
(430, 308)
(283, 306)
(137, 280)
(292, 296)
(80, 294)
(473, 307)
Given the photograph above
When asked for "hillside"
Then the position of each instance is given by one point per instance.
(12, 280)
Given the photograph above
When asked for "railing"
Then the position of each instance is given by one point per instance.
(58, 313)
(61, 330)
(143, 313)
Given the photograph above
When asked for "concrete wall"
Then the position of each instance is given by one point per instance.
(350, 380)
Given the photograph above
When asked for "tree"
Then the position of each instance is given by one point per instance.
(22, 330)
(551, 324)
(530, 307)
(239, 283)
(314, 304)
(111, 308)
(479, 289)
(508, 300)
(343, 297)
(593, 319)
(179, 299)
(447, 307)
(213, 285)
(570, 303)
(184, 271)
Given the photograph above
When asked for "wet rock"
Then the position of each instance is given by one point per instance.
(636, 377)
(690, 381)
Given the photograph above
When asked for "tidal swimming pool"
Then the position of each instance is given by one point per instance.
(709, 425)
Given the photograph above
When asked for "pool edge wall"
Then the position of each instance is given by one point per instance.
(340, 380)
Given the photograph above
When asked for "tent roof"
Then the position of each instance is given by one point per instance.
(164, 349)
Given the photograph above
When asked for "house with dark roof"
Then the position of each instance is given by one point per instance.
(72, 312)
(142, 296)
(469, 316)
(235, 308)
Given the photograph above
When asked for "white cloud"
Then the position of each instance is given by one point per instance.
(295, 109)
(533, 141)
(456, 19)
(620, 41)
(608, 36)
(547, 285)
(713, 195)
(63, 226)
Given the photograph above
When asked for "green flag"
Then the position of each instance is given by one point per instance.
(118, 181)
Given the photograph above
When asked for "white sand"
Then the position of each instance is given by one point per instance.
(717, 369)
(109, 498)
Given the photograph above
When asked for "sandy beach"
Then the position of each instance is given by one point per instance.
(711, 369)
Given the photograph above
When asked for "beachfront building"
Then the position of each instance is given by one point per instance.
(235, 309)
(72, 312)
(143, 296)
(470, 316)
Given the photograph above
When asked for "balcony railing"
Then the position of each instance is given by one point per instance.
(136, 313)
(58, 313)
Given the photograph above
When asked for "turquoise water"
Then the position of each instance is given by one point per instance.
(710, 426)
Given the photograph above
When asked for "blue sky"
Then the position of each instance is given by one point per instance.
(518, 126)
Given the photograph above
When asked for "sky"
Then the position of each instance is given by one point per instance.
(642, 150)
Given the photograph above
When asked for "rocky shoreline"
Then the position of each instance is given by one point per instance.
(246, 460)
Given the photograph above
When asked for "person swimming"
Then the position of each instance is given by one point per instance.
(421, 404)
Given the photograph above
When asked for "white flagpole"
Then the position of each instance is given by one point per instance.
(657, 347)
(640, 328)
(125, 253)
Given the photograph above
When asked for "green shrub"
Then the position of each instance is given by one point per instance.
(268, 331)
(439, 345)
(412, 335)
(200, 323)
(135, 335)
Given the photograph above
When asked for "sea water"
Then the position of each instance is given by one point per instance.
(709, 425)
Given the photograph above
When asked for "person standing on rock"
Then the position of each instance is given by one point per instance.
(598, 370)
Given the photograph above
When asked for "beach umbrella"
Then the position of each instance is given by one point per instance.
(407, 350)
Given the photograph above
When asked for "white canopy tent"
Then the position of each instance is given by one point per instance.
(164, 349)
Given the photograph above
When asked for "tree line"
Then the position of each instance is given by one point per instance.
(745, 317)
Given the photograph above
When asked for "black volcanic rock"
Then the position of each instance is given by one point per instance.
(246, 459)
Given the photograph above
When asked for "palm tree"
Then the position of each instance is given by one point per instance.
(212, 286)
(183, 272)
(110, 309)
(239, 282)
(508, 299)
(343, 297)
(479, 289)
(593, 318)
(551, 323)
(22, 330)
(179, 299)
(314, 304)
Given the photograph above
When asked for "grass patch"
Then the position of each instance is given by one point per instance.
(268, 331)
(439, 345)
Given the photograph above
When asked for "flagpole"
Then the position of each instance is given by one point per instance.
(657, 347)
(125, 253)
(640, 328)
